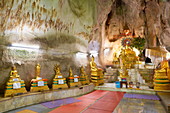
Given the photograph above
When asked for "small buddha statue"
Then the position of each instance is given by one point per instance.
(38, 84)
(82, 71)
(57, 70)
(37, 71)
(70, 72)
(93, 65)
(14, 74)
(14, 85)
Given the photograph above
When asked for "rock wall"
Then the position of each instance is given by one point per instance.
(61, 29)
(145, 18)
(66, 31)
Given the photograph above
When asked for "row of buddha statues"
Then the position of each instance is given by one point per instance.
(16, 86)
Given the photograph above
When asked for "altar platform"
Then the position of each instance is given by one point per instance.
(10, 103)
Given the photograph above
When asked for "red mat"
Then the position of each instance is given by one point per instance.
(96, 94)
(96, 102)
(96, 111)
(108, 106)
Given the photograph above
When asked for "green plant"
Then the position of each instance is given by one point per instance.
(138, 43)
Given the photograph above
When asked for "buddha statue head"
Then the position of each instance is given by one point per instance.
(92, 58)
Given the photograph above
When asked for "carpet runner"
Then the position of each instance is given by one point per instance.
(98, 101)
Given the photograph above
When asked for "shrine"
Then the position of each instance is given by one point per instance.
(84, 56)
(38, 84)
(59, 82)
(14, 85)
(73, 80)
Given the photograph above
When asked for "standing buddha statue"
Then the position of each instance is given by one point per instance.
(38, 84)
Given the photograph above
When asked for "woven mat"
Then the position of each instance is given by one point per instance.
(60, 102)
(141, 96)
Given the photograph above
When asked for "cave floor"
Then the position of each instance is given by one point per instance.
(102, 101)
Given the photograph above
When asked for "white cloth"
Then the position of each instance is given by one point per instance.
(40, 83)
(16, 85)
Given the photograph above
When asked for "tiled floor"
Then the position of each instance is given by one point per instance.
(100, 101)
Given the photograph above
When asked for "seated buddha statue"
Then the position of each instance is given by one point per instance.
(59, 82)
(57, 71)
(96, 73)
(82, 71)
(14, 85)
(93, 65)
(14, 74)
(128, 57)
(73, 80)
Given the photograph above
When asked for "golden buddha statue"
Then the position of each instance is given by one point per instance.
(57, 70)
(93, 65)
(82, 71)
(161, 77)
(14, 74)
(83, 78)
(38, 84)
(96, 73)
(37, 70)
(59, 82)
(128, 57)
(14, 85)
(70, 72)
(73, 80)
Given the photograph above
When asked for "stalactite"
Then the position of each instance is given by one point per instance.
(32, 16)
(44, 10)
(33, 5)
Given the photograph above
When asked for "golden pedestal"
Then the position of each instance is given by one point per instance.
(97, 77)
(84, 79)
(73, 82)
(39, 85)
(161, 81)
(59, 83)
(14, 85)
(11, 91)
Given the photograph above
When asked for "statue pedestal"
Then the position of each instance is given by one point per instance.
(73, 81)
(84, 81)
(97, 77)
(59, 83)
(15, 87)
(161, 81)
(39, 85)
